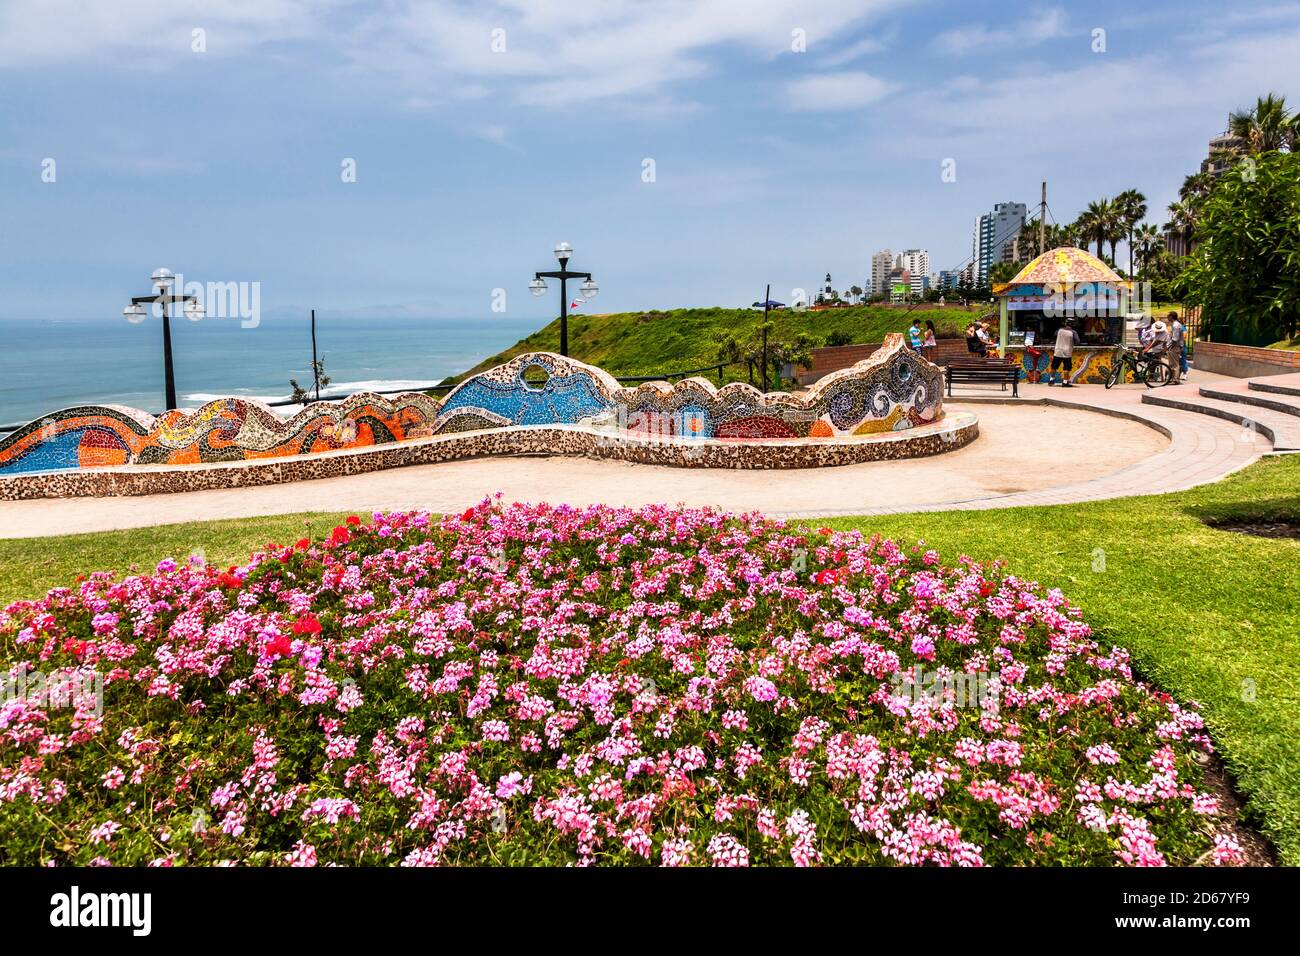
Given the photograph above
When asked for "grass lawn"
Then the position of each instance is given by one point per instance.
(30, 567)
(1209, 615)
(650, 343)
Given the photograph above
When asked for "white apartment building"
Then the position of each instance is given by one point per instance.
(917, 263)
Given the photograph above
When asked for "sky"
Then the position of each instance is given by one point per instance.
(690, 150)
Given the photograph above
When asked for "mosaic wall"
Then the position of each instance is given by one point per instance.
(1091, 365)
(892, 390)
(950, 433)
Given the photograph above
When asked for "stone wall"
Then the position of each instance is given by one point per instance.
(952, 432)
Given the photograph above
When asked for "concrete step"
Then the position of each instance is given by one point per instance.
(1280, 428)
(1280, 402)
(1277, 384)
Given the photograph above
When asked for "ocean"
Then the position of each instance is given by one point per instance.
(48, 364)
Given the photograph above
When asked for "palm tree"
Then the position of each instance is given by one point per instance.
(1132, 206)
(1267, 127)
(1149, 242)
(856, 293)
(1097, 223)
(1196, 187)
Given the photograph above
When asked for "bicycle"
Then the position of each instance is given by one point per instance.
(1148, 369)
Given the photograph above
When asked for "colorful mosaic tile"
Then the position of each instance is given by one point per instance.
(893, 390)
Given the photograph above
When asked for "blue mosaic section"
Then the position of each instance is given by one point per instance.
(563, 400)
(57, 452)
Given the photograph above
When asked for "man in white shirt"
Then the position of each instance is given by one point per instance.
(1063, 354)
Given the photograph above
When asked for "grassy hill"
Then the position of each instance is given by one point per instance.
(650, 343)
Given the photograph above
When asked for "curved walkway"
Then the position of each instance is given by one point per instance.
(1048, 447)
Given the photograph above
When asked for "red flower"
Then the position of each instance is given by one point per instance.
(823, 530)
(353, 520)
(468, 515)
(303, 544)
(309, 624)
(340, 535)
(827, 576)
(280, 646)
(228, 580)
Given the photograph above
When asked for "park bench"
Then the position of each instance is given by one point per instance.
(981, 373)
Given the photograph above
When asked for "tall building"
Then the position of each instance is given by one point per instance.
(917, 262)
(881, 263)
(1225, 149)
(994, 232)
(949, 278)
(898, 284)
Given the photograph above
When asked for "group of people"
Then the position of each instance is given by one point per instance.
(1165, 340)
(923, 340)
(980, 341)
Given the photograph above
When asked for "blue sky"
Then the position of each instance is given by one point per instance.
(770, 165)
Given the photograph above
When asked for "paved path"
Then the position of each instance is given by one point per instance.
(1027, 454)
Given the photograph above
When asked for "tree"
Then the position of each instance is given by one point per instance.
(319, 381)
(1132, 208)
(1245, 272)
(1098, 223)
(1004, 271)
(856, 292)
(1267, 127)
(1148, 241)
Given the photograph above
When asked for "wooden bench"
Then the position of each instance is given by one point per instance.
(982, 373)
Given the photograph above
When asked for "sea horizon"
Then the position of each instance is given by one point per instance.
(52, 364)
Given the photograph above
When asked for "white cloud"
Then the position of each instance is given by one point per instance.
(1036, 27)
(557, 52)
(850, 90)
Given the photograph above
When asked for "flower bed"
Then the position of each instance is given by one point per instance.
(538, 685)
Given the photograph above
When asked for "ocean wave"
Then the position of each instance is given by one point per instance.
(334, 388)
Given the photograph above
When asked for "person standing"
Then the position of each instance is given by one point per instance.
(1063, 354)
(915, 336)
(1158, 347)
(931, 340)
(1178, 343)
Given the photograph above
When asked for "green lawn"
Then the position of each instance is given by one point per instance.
(29, 567)
(648, 343)
(1209, 615)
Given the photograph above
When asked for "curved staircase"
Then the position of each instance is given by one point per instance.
(1270, 405)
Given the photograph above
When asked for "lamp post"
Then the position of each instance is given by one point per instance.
(588, 289)
(163, 280)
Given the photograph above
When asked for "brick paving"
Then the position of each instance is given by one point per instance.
(1202, 449)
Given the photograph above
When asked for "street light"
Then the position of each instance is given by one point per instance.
(588, 289)
(163, 280)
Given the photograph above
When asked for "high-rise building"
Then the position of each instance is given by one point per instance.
(949, 278)
(917, 262)
(994, 231)
(1225, 150)
(881, 263)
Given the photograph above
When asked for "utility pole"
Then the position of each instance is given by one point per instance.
(315, 366)
(1042, 222)
(767, 304)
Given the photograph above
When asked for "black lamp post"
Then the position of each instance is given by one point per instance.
(588, 289)
(163, 280)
